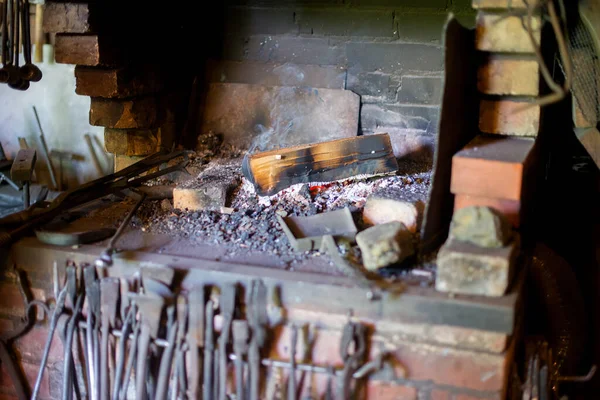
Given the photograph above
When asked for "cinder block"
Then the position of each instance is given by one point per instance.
(133, 113)
(501, 33)
(505, 76)
(68, 17)
(469, 269)
(507, 117)
(493, 167)
(510, 208)
(87, 49)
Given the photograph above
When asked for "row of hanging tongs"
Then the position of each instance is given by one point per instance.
(16, 31)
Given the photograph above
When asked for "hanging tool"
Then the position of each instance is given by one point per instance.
(58, 311)
(122, 349)
(92, 290)
(179, 384)
(29, 71)
(166, 360)
(291, 387)
(105, 259)
(195, 338)
(150, 305)
(257, 319)
(49, 162)
(109, 298)
(353, 336)
(132, 356)
(227, 306)
(209, 348)
(241, 334)
(76, 298)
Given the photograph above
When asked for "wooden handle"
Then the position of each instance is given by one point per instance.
(38, 56)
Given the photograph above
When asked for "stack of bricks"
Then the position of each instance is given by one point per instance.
(496, 169)
(135, 100)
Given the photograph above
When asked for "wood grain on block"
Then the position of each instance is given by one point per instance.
(85, 49)
(512, 4)
(118, 82)
(506, 76)
(492, 166)
(264, 118)
(133, 113)
(501, 33)
(465, 268)
(274, 170)
(68, 18)
(507, 117)
(131, 142)
(510, 208)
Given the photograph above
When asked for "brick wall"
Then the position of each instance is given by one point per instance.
(389, 51)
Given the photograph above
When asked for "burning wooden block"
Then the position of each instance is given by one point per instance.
(134, 113)
(469, 269)
(506, 34)
(507, 76)
(319, 162)
(89, 49)
(68, 17)
(383, 207)
(385, 244)
(493, 166)
(507, 117)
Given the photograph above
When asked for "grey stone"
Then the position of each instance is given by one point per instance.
(385, 244)
(386, 118)
(252, 21)
(346, 22)
(420, 90)
(395, 57)
(469, 269)
(481, 226)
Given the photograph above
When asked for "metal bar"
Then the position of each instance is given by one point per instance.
(45, 150)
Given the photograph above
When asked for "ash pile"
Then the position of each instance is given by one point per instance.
(278, 203)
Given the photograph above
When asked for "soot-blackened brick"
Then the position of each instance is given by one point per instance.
(394, 57)
(345, 22)
(420, 27)
(420, 119)
(420, 90)
(246, 21)
(371, 85)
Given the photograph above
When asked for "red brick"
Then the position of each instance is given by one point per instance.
(118, 82)
(500, 76)
(31, 371)
(31, 345)
(501, 33)
(12, 302)
(492, 166)
(88, 49)
(502, 3)
(462, 396)
(389, 391)
(439, 394)
(68, 17)
(507, 117)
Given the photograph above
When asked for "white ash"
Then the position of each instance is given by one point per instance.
(253, 223)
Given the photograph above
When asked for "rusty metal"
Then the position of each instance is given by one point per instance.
(209, 347)
(106, 257)
(240, 348)
(227, 308)
(353, 336)
(109, 290)
(164, 372)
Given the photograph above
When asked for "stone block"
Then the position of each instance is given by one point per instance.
(506, 76)
(493, 166)
(206, 197)
(511, 209)
(69, 17)
(122, 162)
(420, 90)
(131, 142)
(395, 57)
(481, 226)
(385, 244)
(133, 113)
(383, 207)
(507, 117)
(506, 34)
(346, 22)
(465, 268)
